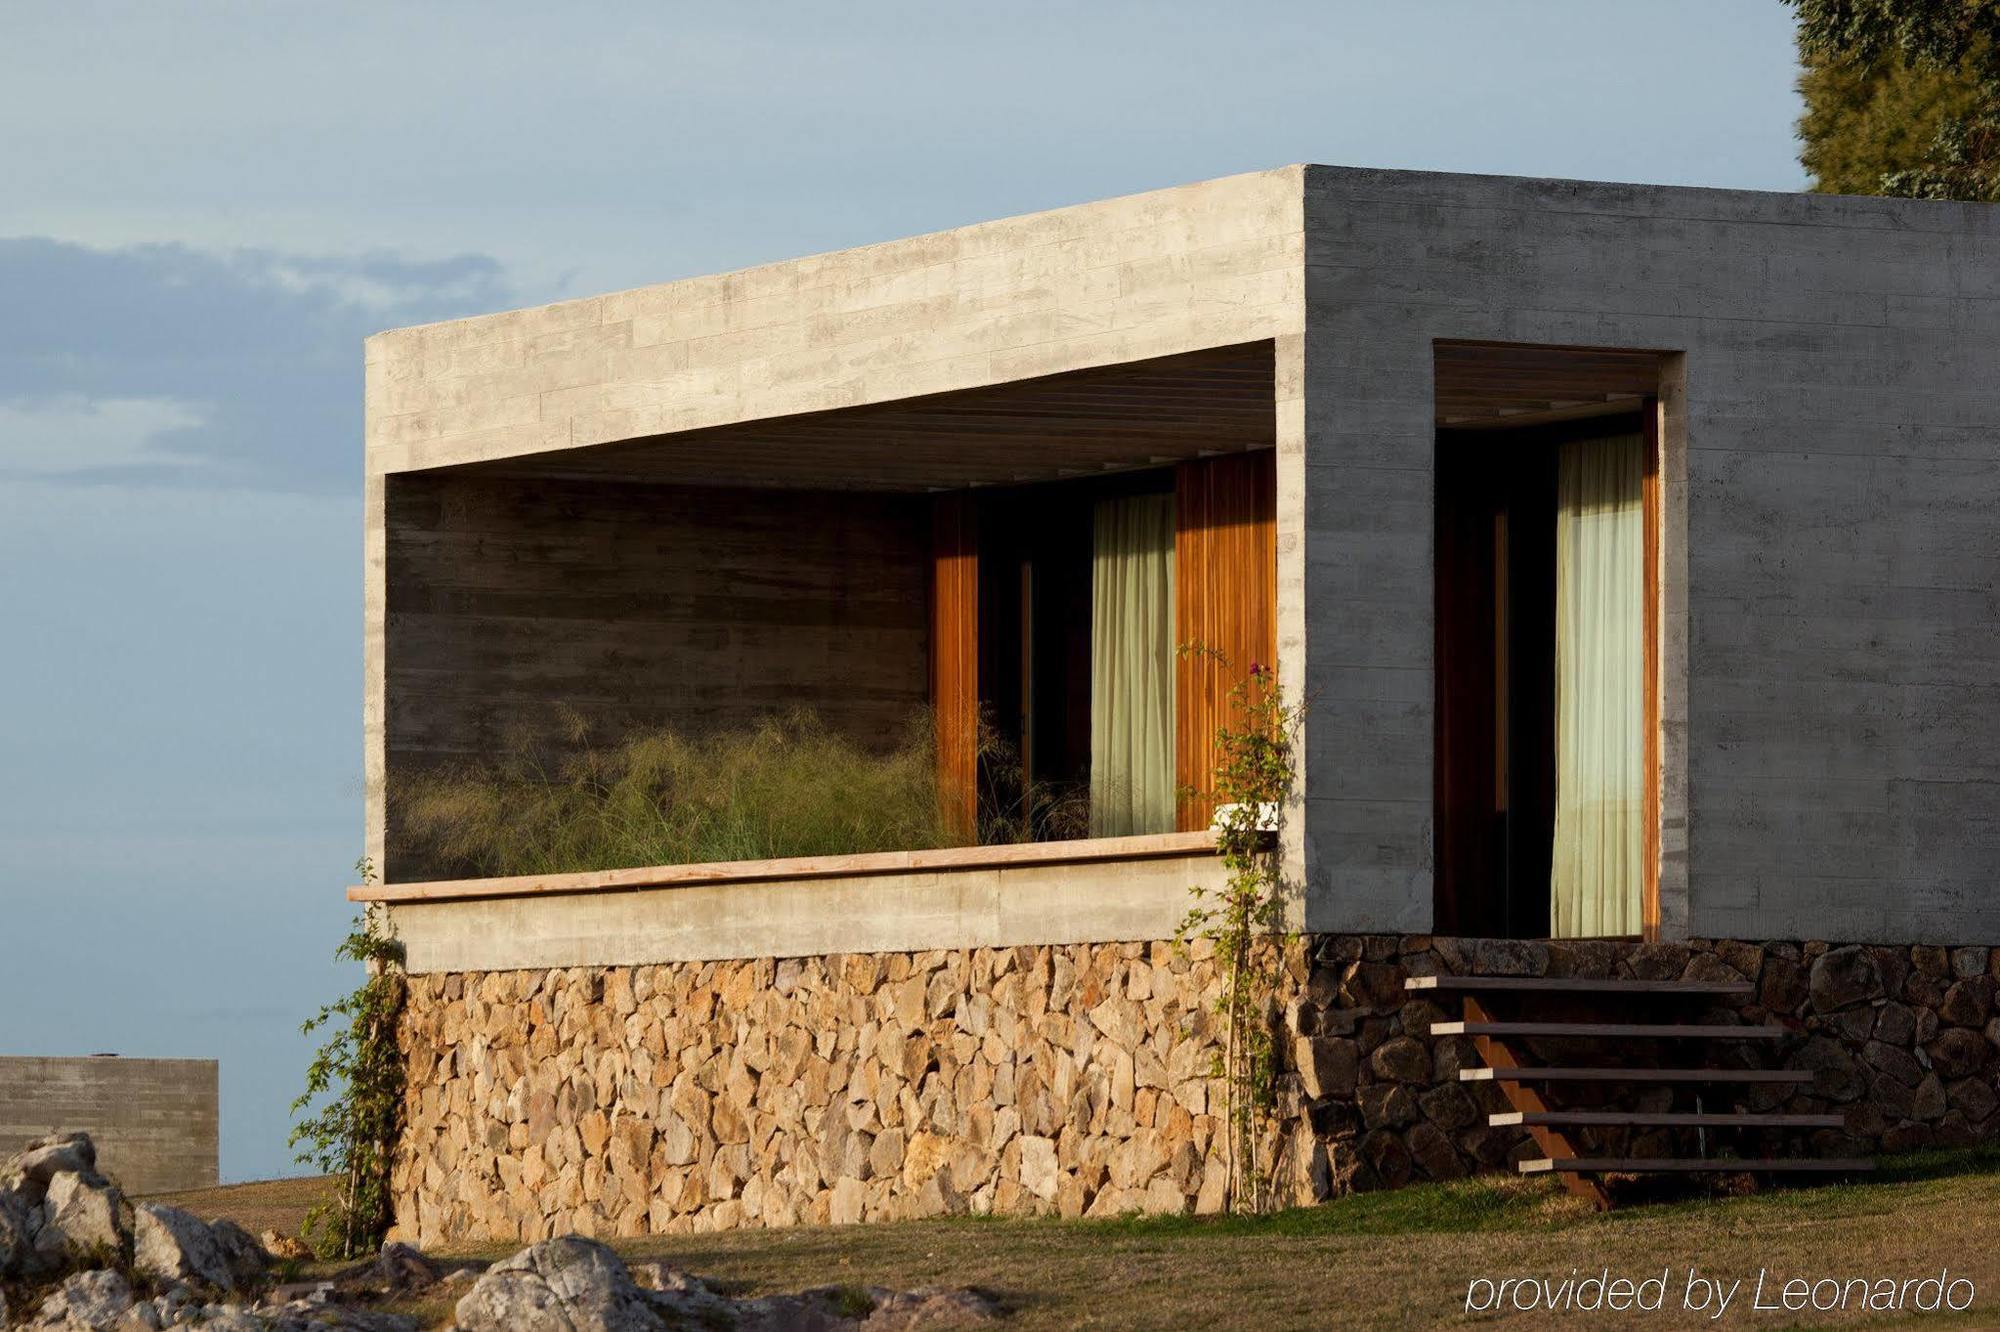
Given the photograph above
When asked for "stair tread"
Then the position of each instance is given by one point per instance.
(1634, 1075)
(1664, 1119)
(1664, 1030)
(1666, 1164)
(1578, 985)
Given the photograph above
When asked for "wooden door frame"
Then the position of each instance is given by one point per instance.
(1653, 619)
(954, 659)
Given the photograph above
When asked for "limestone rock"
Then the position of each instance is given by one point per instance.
(1401, 1059)
(88, 1302)
(1932, 961)
(568, 1284)
(1071, 1079)
(1448, 1106)
(1510, 957)
(1838, 1073)
(1968, 1002)
(1387, 1105)
(848, 1199)
(929, 1307)
(83, 1222)
(1433, 1152)
(1958, 1053)
(1783, 988)
(1746, 959)
(171, 1245)
(1895, 1061)
(1930, 1101)
(1039, 1171)
(683, 1298)
(1895, 1024)
(1657, 961)
(1387, 1157)
(1327, 1065)
(1974, 1098)
(1842, 977)
(45, 1158)
(397, 1270)
(16, 1235)
(284, 1248)
(246, 1258)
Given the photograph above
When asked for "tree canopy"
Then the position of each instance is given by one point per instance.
(1902, 97)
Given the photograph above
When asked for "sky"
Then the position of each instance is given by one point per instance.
(204, 207)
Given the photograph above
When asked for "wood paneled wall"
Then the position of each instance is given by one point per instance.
(1225, 604)
(954, 683)
(636, 605)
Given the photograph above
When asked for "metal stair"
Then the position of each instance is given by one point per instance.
(1641, 1040)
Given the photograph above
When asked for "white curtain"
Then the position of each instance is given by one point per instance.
(1132, 667)
(1600, 682)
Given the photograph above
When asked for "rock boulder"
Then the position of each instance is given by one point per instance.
(244, 1255)
(170, 1245)
(1842, 977)
(96, 1301)
(568, 1284)
(82, 1223)
(17, 1240)
(45, 1158)
(929, 1307)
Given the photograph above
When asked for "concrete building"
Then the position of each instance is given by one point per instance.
(153, 1121)
(1634, 547)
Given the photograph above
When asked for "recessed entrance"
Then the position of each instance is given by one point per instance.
(1548, 626)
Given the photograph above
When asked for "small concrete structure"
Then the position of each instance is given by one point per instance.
(154, 1120)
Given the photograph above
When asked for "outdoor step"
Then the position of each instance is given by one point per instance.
(1579, 985)
(1794, 1075)
(1662, 1030)
(1665, 1164)
(1663, 1119)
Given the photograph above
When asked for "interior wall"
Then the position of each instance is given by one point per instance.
(1225, 602)
(642, 605)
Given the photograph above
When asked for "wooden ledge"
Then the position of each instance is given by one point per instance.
(1014, 855)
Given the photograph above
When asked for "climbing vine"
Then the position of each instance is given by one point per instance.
(1256, 771)
(352, 1104)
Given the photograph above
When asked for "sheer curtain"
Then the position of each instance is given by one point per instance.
(1132, 667)
(1600, 682)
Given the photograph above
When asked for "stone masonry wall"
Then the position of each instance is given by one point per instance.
(1075, 1079)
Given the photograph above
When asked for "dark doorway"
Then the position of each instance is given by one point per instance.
(1495, 760)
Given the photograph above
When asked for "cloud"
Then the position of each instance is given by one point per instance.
(69, 433)
(168, 365)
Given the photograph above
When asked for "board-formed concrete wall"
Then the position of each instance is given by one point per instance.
(1836, 760)
(153, 1120)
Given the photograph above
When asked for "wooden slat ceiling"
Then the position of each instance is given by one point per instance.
(1483, 384)
(1083, 423)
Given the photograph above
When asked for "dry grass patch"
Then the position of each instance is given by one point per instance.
(1399, 1259)
(265, 1204)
